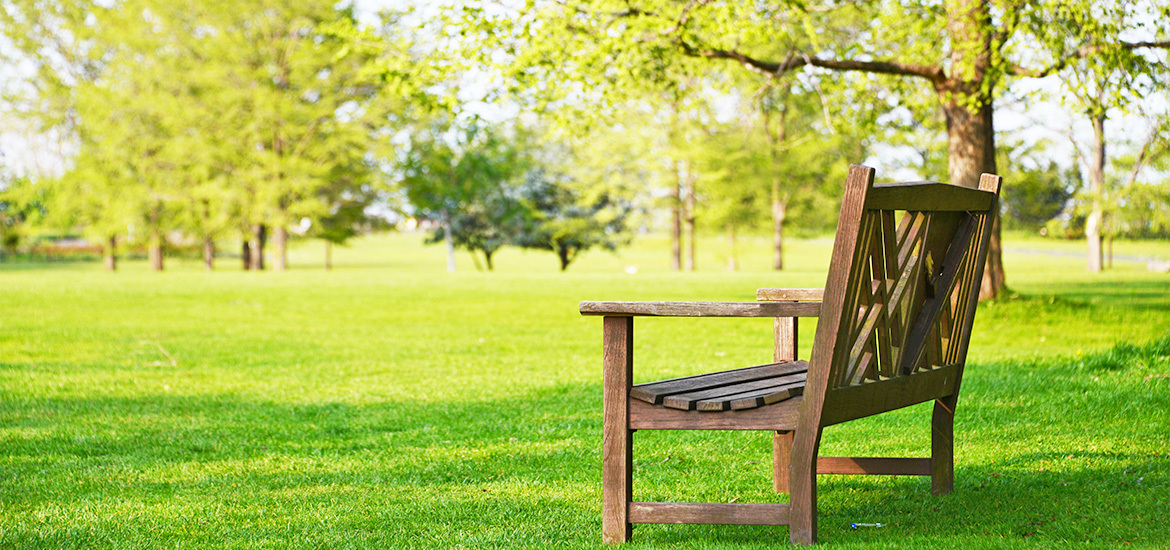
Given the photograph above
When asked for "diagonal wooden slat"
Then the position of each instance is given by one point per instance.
(917, 340)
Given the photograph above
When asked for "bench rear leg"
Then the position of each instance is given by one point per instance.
(942, 446)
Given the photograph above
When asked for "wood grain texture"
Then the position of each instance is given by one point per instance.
(709, 513)
(844, 465)
(702, 309)
(781, 456)
(928, 195)
(784, 336)
(781, 416)
(617, 439)
(853, 402)
(657, 392)
(806, 443)
(790, 294)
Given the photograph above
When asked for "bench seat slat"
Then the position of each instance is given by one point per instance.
(655, 392)
(724, 394)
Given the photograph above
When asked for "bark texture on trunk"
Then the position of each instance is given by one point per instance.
(280, 239)
(109, 257)
(208, 253)
(259, 238)
(154, 250)
(1093, 223)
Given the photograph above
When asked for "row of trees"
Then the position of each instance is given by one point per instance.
(947, 61)
(204, 120)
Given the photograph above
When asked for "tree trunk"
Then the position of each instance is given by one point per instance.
(155, 250)
(475, 260)
(246, 254)
(690, 219)
(779, 211)
(108, 254)
(259, 237)
(208, 253)
(328, 255)
(564, 256)
(971, 152)
(487, 257)
(966, 96)
(777, 139)
(1096, 189)
(449, 242)
(280, 238)
(732, 260)
(676, 220)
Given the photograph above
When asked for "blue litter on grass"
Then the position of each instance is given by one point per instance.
(856, 525)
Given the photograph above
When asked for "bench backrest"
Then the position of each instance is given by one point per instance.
(903, 281)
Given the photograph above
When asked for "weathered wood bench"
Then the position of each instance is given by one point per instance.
(894, 321)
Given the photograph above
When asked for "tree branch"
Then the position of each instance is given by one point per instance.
(795, 60)
(1082, 52)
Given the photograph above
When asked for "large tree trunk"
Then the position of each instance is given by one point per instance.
(208, 253)
(690, 220)
(328, 255)
(971, 152)
(259, 238)
(487, 258)
(108, 254)
(246, 255)
(280, 238)
(676, 220)
(155, 250)
(1096, 189)
(966, 97)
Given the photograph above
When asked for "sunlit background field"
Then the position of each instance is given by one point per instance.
(389, 404)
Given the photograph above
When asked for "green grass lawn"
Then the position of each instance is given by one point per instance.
(389, 404)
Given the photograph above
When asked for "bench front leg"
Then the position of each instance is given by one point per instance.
(617, 438)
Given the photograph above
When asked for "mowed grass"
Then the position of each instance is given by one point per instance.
(389, 404)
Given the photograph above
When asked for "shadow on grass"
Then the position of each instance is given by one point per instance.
(515, 472)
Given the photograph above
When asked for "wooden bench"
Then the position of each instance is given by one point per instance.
(894, 321)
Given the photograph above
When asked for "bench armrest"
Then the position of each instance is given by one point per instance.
(702, 309)
(790, 294)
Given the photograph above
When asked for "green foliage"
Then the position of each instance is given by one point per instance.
(211, 118)
(562, 219)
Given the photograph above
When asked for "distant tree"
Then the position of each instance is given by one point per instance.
(456, 177)
(568, 221)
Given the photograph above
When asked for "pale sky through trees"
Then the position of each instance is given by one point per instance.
(22, 151)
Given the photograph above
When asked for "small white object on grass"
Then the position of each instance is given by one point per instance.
(631, 269)
(856, 525)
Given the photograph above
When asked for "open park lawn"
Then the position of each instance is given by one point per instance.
(388, 404)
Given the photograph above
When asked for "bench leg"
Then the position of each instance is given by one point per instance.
(942, 446)
(617, 438)
(802, 527)
(781, 460)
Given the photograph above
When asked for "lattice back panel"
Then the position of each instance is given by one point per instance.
(905, 306)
